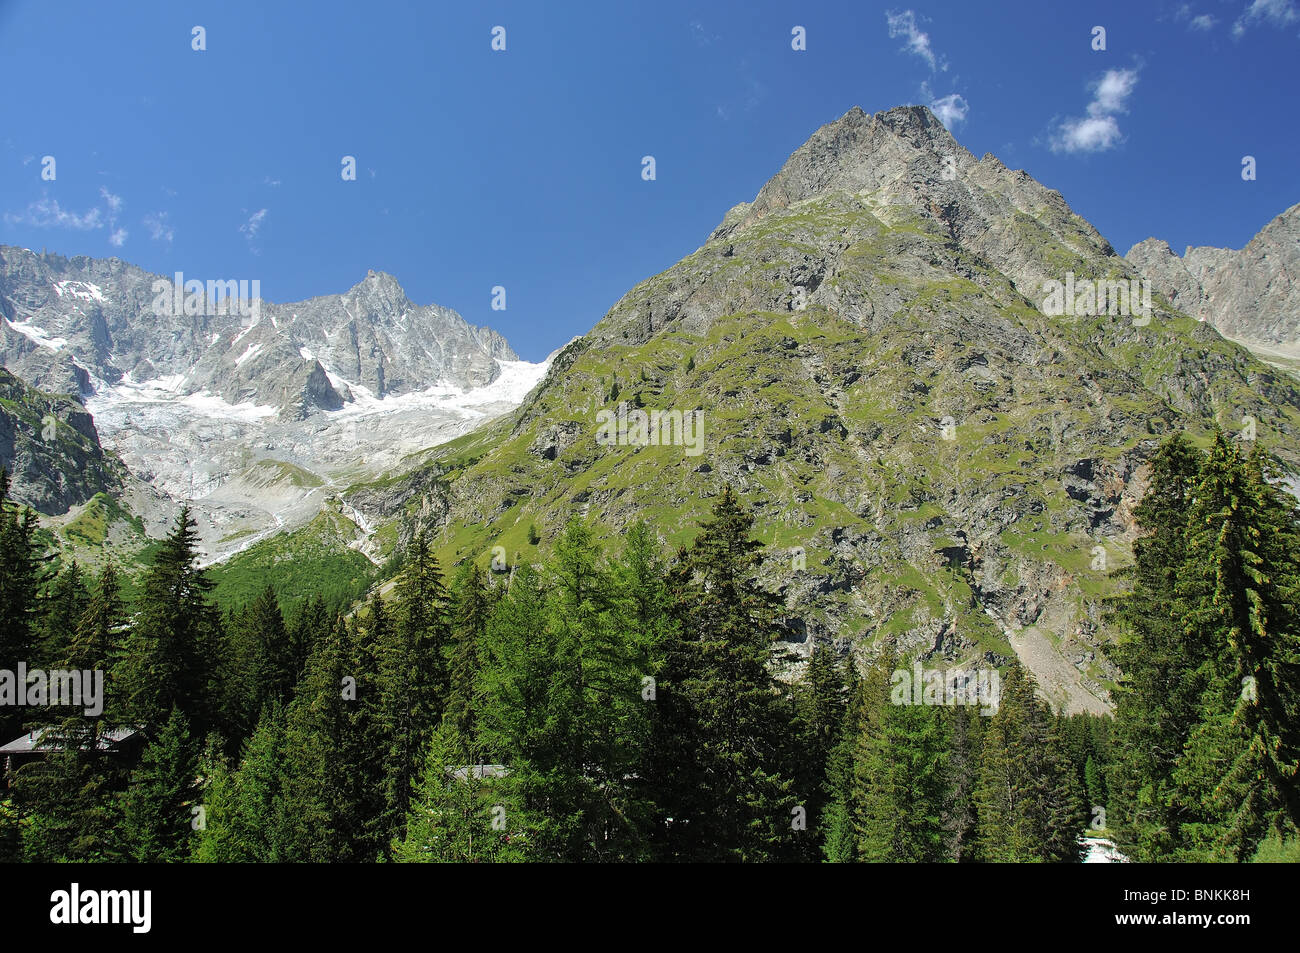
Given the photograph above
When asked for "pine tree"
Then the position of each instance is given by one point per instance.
(1158, 699)
(176, 638)
(901, 784)
(157, 816)
(743, 718)
(458, 815)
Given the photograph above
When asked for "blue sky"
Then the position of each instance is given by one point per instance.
(522, 168)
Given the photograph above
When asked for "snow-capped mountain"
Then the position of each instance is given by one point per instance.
(256, 412)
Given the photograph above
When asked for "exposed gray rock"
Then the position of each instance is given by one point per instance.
(1251, 295)
(75, 325)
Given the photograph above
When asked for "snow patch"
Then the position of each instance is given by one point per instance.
(37, 335)
(251, 352)
(85, 290)
(136, 398)
(515, 380)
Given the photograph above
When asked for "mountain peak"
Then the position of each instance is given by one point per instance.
(380, 292)
(858, 153)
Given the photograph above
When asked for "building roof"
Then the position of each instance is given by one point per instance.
(42, 740)
(478, 771)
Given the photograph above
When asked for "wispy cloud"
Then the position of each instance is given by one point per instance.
(114, 202)
(1203, 22)
(1099, 129)
(1274, 12)
(48, 213)
(117, 236)
(701, 35)
(159, 229)
(916, 41)
(249, 228)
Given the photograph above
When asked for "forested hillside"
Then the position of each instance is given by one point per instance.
(643, 705)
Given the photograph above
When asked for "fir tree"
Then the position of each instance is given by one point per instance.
(901, 781)
(176, 638)
(458, 814)
(1158, 699)
(157, 815)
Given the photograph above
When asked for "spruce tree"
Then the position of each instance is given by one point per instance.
(413, 674)
(176, 639)
(1157, 702)
(901, 782)
(746, 810)
(458, 815)
(470, 608)
(157, 816)
(821, 703)
(1237, 597)
(244, 823)
(21, 579)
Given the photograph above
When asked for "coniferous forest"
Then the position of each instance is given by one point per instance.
(639, 705)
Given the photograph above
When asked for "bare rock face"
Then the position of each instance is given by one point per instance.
(50, 449)
(1251, 295)
(76, 325)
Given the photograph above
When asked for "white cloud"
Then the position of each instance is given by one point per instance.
(47, 213)
(249, 228)
(1099, 130)
(159, 230)
(118, 238)
(1094, 134)
(904, 25)
(1275, 12)
(1203, 22)
(1111, 92)
(950, 109)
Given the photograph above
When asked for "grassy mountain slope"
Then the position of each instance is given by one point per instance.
(931, 457)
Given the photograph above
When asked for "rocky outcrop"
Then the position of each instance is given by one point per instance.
(1251, 295)
(50, 449)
